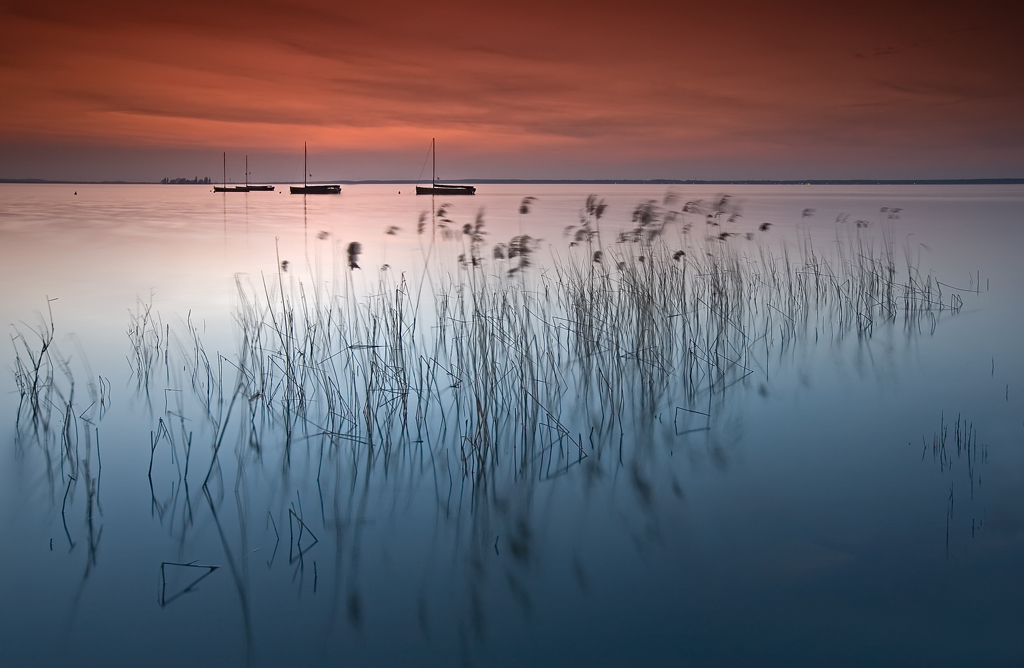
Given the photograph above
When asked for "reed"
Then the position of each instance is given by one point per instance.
(502, 365)
(53, 423)
(149, 340)
(512, 359)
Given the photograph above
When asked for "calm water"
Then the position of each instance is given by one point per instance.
(793, 509)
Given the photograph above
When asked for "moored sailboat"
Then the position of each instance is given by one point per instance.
(436, 188)
(315, 189)
(254, 188)
(233, 189)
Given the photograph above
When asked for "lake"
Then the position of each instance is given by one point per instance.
(731, 425)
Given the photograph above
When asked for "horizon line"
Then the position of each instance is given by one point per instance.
(795, 182)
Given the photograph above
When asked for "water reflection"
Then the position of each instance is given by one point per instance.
(51, 423)
(430, 441)
(191, 580)
(969, 452)
(474, 406)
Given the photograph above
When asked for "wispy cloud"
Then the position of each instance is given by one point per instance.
(639, 80)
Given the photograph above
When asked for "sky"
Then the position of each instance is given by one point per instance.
(112, 90)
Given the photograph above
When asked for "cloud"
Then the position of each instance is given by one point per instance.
(655, 81)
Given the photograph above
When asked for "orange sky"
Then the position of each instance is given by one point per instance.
(524, 90)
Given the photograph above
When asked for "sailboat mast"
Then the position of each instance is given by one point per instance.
(225, 169)
(433, 162)
(305, 164)
(246, 172)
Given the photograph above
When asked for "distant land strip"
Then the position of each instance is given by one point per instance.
(680, 182)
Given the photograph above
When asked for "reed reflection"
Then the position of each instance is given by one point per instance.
(447, 408)
(65, 432)
(513, 376)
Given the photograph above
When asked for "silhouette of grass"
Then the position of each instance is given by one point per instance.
(679, 308)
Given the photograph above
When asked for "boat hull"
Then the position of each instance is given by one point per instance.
(261, 189)
(230, 189)
(316, 190)
(440, 189)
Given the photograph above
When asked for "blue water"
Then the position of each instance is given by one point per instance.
(807, 519)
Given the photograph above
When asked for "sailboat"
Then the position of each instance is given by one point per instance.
(436, 188)
(233, 189)
(306, 189)
(249, 188)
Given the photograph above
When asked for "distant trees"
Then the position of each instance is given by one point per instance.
(184, 179)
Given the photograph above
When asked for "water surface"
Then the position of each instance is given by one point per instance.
(787, 498)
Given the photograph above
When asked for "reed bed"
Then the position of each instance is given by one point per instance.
(505, 360)
(65, 430)
(498, 358)
(489, 368)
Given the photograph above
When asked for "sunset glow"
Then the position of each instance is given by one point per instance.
(526, 91)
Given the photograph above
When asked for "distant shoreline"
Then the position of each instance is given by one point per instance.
(607, 182)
